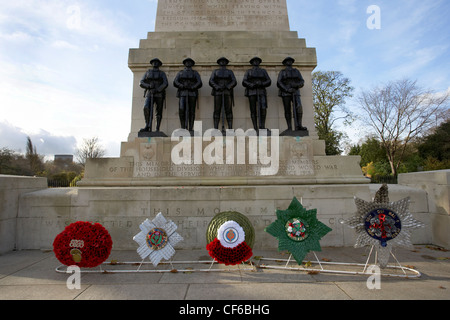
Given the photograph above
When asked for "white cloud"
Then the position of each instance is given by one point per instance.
(53, 80)
(15, 138)
(61, 44)
(58, 20)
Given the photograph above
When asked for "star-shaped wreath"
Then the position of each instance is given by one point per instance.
(157, 239)
(298, 231)
(383, 224)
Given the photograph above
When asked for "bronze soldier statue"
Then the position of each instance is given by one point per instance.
(155, 83)
(223, 82)
(188, 82)
(290, 81)
(256, 80)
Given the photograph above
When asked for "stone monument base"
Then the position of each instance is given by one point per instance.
(44, 214)
(155, 134)
(295, 133)
(238, 159)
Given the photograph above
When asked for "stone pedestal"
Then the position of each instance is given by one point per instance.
(222, 161)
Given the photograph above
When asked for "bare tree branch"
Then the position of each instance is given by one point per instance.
(90, 149)
(400, 112)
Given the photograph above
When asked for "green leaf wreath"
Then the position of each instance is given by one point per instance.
(298, 231)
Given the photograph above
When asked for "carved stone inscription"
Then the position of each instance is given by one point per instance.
(222, 15)
(153, 169)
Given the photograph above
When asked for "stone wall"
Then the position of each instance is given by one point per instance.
(11, 189)
(44, 214)
(32, 215)
(437, 186)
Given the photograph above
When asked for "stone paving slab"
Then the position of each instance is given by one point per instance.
(31, 275)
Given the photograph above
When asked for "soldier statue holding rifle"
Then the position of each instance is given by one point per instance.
(155, 83)
(290, 81)
(256, 80)
(188, 82)
(223, 82)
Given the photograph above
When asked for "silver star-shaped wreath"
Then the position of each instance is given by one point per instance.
(157, 239)
(383, 224)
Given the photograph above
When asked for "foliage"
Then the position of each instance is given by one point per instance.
(437, 144)
(370, 151)
(426, 154)
(14, 163)
(330, 90)
(60, 173)
(35, 160)
(432, 164)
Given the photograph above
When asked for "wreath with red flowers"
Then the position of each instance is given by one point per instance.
(83, 244)
(229, 256)
(230, 237)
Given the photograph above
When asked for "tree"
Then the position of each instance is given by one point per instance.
(34, 159)
(6, 159)
(90, 149)
(14, 163)
(330, 90)
(370, 151)
(437, 144)
(399, 112)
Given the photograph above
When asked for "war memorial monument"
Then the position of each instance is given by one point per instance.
(221, 120)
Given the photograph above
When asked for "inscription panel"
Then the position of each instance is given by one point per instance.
(222, 15)
(153, 169)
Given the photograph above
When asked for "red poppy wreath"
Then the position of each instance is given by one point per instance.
(83, 244)
(230, 238)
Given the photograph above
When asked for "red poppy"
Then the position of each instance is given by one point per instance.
(229, 256)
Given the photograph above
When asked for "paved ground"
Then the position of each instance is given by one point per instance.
(31, 275)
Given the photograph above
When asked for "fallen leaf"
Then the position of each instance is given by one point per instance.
(313, 272)
(436, 248)
(188, 272)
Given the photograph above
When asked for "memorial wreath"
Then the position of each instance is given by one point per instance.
(298, 230)
(157, 239)
(230, 237)
(84, 244)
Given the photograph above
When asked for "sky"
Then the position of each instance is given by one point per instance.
(64, 73)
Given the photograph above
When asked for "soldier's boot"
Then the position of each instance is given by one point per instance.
(255, 122)
(191, 121)
(300, 120)
(230, 123)
(158, 123)
(263, 118)
(216, 123)
(289, 122)
(147, 120)
(183, 120)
